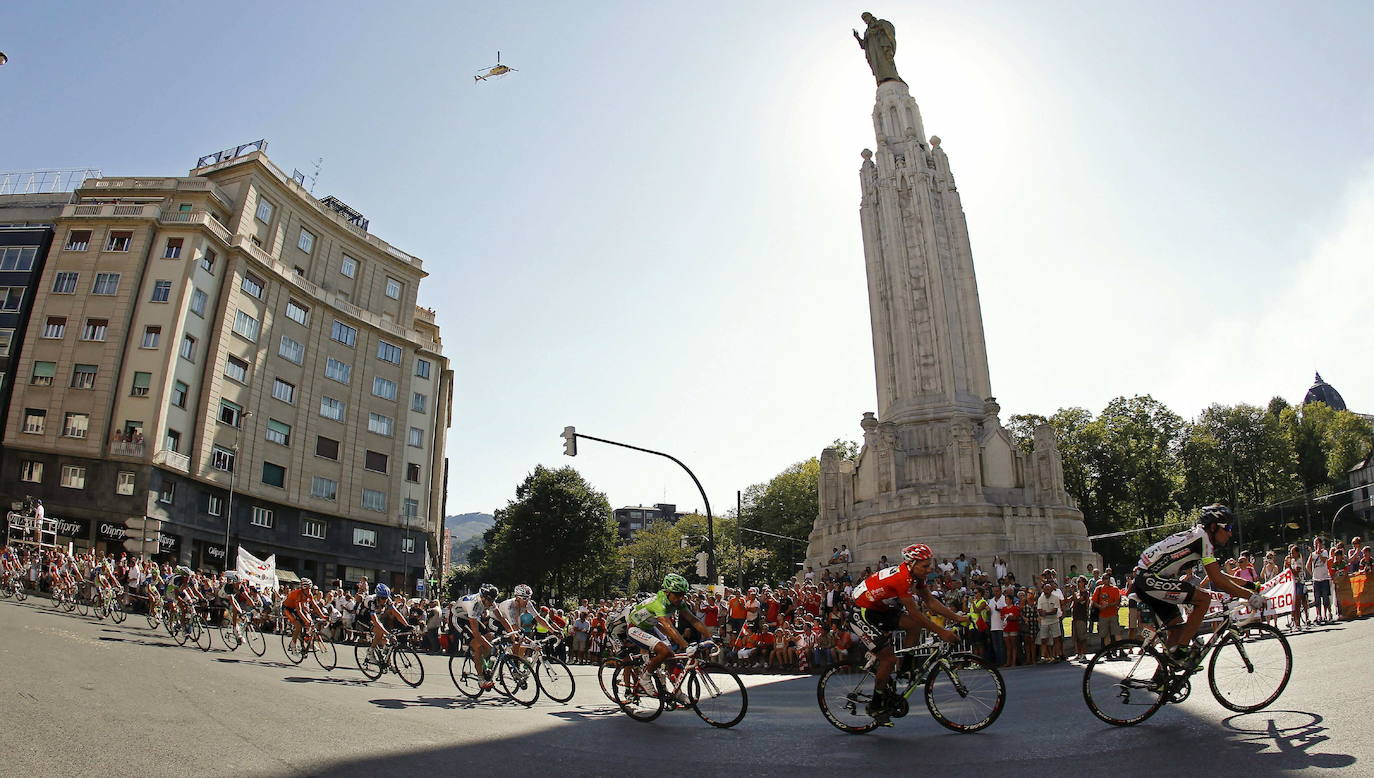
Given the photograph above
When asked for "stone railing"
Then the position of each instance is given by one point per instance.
(125, 448)
(202, 218)
(173, 460)
(112, 210)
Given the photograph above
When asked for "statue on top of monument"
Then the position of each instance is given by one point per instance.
(879, 43)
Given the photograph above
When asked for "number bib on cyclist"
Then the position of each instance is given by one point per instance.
(884, 589)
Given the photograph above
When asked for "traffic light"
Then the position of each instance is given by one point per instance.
(570, 441)
(701, 564)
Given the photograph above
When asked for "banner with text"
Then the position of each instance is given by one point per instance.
(258, 572)
(1278, 598)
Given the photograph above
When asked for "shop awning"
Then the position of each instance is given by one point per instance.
(287, 576)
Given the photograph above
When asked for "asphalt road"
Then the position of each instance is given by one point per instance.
(86, 698)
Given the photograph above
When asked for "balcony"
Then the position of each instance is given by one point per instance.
(202, 218)
(111, 211)
(173, 460)
(125, 448)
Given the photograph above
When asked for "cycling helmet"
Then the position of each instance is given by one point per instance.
(489, 591)
(307, 583)
(522, 591)
(183, 569)
(382, 591)
(1216, 513)
(231, 576)
(673, 582)
(917, 551)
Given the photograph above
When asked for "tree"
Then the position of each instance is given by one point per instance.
(557, 535)
(738, 556)
(847, 449)
(787, 505)
(656, 551)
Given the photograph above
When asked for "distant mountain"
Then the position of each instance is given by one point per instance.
(465, 532)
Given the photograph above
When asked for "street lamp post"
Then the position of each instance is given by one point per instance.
(233, 475)
(1334, 516)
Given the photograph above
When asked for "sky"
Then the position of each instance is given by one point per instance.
(650, 230)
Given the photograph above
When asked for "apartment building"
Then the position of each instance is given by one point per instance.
(234, 358)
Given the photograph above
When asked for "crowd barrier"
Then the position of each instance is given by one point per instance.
(1354, 596)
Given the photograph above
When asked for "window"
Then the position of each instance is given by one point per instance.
(11, 297)
(278, 432)
(167, 492)
(380, 424)
(407, 545)
(331, 408)
(172, 441)
(273, 474)
(151, 335)
(306, 242)
(119, 240)
(207, 261)
(419, 403)
(65, 283)
(246, 326)
(339, 371)
(55, 327)
(252, 285)
(412, 472)
(75, 425)
(142, 384)
(349, 266)
(416, 437)
(375, 461)
(313, 528)
(105, 283)
(374, 500)
(6, 340)
(324, 488)
(230, 413)
(83, 376)
(284, 391)
(262, 517)
(124, 483)
(18, 257)
(173, 250)
(291, 350)
(73, 477)
(422, 368)
(188, 348)
(326, 447)
(43, 373)
(364, 537)
(388, 353)
(214, 504)
(31, 471)
(95, 329)
(78, 240)
(410, 508)
(383, 388)
(198, 301)
(34, 419)
(264, 212)
(344, 334)
(393, 288)
(236, 369)
(222, 458)
(179, 390)
(297, 313)
(162, 291)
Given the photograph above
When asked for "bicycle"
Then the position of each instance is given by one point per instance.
(551, 674)
(312, 643)
(512, 676)
(396, 655)
(246, 631)
(1238, 654)
(963, 691)
(12, 586)
(714, 692)
(107, 604)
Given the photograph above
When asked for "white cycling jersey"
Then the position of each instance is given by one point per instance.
(512, 614)
(1173, 556)
(471, 607)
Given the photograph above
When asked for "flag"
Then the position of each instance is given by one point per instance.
(258, 572)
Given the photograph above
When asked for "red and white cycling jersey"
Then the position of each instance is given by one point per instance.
(882, 590)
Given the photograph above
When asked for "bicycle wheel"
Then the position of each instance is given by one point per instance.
(82, 607)
(117, 612)
(843, 693)
(257, 642)
(325, 653)
(717, 695)
(604, 673)
(965, 693)
(231, 639)
(153, 616)
(465, 675)
(19, 593)
(200, 633)
(406, 662)
(1127, 693)
(628, 686)
(181, 631)
(1249, 673)
(372, 664)
(555, 679)
(515, 678)
(295, 649)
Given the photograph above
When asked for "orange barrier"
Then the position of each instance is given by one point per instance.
(1354, 595)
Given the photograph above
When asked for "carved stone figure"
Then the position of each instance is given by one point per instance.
(879, 43)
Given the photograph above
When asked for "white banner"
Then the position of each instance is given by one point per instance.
(260, 573)
(1278, 598)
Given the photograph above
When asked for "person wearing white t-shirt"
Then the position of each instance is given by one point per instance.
(1321, 580)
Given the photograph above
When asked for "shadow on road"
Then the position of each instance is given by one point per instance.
(1292, 733)
(334, 681)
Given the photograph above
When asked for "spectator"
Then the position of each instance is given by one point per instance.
(1294, 562)
(823, 653)
(1010, 611)
(1080, 600)
(737, 615)
(1049, 606)
(1107, 598)
(1320, 572)
(999, 568)
(581, 635)
(845, 555)
(1030, 625)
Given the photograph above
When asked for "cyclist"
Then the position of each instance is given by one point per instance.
(297, 607)
(650, 622)
(472, 614)
(508, 612)
(1161, 584)
(232, 592)
(887, 602)
(379, 605)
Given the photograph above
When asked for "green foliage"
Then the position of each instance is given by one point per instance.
(737, 554)
(557, 535)
(847, 449)
(787, 505)
(656, 550)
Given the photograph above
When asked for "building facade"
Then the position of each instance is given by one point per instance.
(633, 518)
(238, 361)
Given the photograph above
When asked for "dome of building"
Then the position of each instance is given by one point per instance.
(1322, 392)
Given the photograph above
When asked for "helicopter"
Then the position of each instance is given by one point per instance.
(495, 71)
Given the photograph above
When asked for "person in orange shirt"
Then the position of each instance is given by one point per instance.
(737, 614)
(747, 643)
(1107, 600)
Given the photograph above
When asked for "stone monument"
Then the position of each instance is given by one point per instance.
(936, 465)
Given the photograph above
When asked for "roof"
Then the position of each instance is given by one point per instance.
(1322, 392)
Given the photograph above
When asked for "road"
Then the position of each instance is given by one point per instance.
(88, 698)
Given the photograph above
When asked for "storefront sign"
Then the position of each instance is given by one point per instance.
(113, 532)
(215, 552)
(168, 543)
(73, 528)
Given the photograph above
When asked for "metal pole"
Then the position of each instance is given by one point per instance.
(1334, 516)
(739, 539)
(233, 476)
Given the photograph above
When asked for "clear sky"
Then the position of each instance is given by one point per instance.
(650, 231)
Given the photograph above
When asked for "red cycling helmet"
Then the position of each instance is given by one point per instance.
(917, 551)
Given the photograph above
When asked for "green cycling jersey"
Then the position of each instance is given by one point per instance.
(646, 614)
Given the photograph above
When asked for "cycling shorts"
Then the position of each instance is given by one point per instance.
(484, 628)
(649, 640)
(876, 626)
(1163, 595)
(294, 614)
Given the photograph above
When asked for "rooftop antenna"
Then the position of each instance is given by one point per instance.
(319, 163)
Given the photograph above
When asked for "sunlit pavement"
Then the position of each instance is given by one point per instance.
(87, 698)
